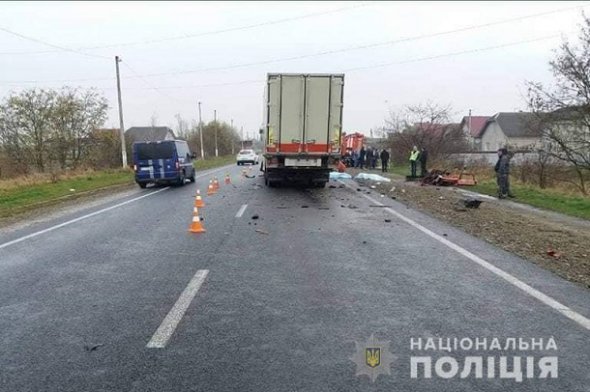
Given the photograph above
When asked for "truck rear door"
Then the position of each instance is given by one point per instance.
(304, 113)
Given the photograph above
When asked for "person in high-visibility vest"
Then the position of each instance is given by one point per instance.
(414, 154)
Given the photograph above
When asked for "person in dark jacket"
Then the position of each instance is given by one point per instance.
(384, 160)
(423, 157)
(362, 156)
(502, 170)
(369, 157)
(374, 158)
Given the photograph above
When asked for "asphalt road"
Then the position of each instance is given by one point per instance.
(82, 295)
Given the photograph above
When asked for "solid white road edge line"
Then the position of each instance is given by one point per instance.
(35, 234)
(564, 310)
(168, 326)
(241, 210)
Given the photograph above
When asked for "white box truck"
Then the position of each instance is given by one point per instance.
(303, 127)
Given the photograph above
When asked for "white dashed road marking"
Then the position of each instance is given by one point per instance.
(241, 211)
(168, 326)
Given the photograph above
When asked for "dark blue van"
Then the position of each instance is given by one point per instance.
(163, 162)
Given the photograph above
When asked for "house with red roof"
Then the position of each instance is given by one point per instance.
(473, 127)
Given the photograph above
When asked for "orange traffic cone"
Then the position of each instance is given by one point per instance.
(227, 179)
(196, 225)
(211, 189)
(215, 184)
(198, 201)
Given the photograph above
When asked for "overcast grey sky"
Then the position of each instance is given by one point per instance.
(226, 67)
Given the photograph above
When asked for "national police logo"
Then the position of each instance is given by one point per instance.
(372, 358)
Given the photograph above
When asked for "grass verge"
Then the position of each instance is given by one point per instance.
(23, 194)
(577, 206)
(16, 199)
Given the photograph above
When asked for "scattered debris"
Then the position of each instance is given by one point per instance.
(255, 216)
(247, 176)
(445, 235)
(373, 187)
(394, 198)
(471, 203)
(382, 195)
(332, 186)
(551, 252)
(282, 207)
(377, 205)
(72, 190)
(304, 206)
(323, 208)
(387, 220)
(260, 231)
(352, 207)
(92, 347)
(358, 189)
(364, 242)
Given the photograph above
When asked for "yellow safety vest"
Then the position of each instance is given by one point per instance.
(414, 155)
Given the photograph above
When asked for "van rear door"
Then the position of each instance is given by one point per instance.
(156, 161)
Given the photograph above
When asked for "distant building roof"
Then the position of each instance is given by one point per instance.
(477, 124)
(149, 133)
(515, 124)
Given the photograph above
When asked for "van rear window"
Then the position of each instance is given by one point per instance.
(155, 151)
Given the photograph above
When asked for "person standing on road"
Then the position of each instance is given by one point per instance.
(384, 160)
(502, 170)
(413, 160)
(423, 159)
(374, 158)
(362, 156)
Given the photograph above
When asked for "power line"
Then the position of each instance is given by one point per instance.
(415, 60)
(328, 52)
(202, 34)
(148, 83)
(505, 45)
(61, 48)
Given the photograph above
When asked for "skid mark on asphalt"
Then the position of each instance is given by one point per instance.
(547, 300)
(166, 329)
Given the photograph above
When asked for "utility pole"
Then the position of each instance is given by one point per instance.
(215, 121)
(232, 137)
(121, 126)
(242, 135)
(201, 133)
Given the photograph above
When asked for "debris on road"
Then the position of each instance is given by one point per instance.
(551, 252)
(471, 203)
(92, 347)
(255, 216)
(260, 231)
(304, 206)
(371, 177)
(387, 220)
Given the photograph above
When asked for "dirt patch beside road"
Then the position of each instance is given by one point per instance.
(558, 246)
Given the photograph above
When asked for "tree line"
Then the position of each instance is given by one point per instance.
(47, 130)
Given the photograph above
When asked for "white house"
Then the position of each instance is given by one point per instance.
(511, 130)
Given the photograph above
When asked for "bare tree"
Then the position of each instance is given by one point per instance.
(76, 115)
(26, 125)
(563, 110)
(425, 126)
